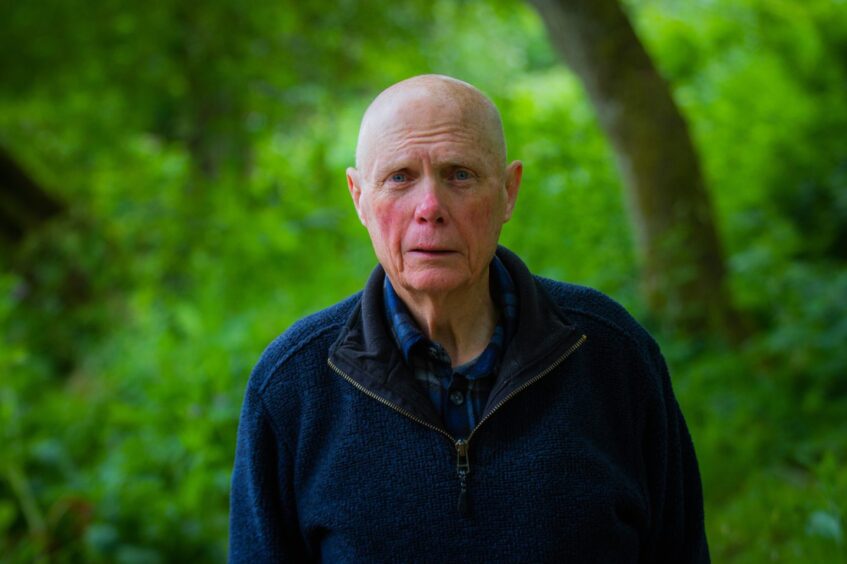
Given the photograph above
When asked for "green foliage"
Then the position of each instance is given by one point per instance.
(767, 422)
(201, 153)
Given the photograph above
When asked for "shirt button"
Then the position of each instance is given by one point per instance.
(457, 397)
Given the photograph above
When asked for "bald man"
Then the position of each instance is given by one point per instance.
(459, 408)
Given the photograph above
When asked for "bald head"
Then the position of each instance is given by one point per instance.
(432, 187)
(432, 94)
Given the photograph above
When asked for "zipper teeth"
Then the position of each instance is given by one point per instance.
(528, 383)
(417, 419)
(387, 403)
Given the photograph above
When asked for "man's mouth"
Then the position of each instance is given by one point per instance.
(432, 251)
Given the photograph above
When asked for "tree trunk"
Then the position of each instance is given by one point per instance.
(683, 265)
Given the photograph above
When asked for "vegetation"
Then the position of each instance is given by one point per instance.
(194, 164)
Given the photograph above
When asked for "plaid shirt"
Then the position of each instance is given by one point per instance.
(458, 394)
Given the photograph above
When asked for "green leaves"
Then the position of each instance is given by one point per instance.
(202, 152)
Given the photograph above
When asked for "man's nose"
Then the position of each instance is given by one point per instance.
(430, 208)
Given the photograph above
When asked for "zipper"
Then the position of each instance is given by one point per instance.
(387, 403)
(529, 382)
(463, 468)
(462, 446)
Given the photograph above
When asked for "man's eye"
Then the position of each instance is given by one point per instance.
(398, 177)
(462, 174)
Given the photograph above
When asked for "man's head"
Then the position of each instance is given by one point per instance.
(431, 184)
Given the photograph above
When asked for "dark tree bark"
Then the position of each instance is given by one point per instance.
(215, 104)
(23, 203)
(683, 266)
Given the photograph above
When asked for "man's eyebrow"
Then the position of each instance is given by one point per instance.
(386, 166)
(460, 163)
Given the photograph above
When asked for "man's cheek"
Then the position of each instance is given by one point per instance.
(388, 219)
(387, 232)
(480, 215)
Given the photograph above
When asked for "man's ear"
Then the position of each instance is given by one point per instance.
(355, 186)
(514, 173)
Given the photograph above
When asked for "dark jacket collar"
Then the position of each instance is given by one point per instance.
(366, 352)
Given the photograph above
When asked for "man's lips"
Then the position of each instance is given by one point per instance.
(431, 251)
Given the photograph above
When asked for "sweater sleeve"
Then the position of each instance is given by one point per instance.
(677, 524)
(263, 523)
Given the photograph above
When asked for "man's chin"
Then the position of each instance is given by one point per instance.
(433, 281)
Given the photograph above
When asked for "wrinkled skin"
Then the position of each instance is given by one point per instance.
(433, 190)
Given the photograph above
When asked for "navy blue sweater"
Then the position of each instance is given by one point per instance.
(582, 453)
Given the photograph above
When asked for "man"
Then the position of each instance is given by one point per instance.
(459, 408)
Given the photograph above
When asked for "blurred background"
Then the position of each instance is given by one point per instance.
(172, 197)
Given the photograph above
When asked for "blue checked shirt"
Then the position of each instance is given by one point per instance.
(458, 394)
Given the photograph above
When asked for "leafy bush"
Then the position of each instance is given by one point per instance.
(129, 326)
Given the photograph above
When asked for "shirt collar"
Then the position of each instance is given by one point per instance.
(407, 334)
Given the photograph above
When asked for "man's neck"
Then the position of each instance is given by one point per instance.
(461, 321)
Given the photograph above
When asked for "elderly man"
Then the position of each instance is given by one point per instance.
(459, 408)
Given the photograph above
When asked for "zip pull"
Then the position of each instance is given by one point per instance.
(462, 470)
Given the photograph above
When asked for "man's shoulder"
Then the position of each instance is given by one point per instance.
(305, 343)
(592, 310)
(590, 306)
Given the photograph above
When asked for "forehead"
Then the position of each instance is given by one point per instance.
(426, 126)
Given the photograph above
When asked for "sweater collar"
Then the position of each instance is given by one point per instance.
(367, 352)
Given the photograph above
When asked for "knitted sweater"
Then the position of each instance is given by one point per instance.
(582, 453)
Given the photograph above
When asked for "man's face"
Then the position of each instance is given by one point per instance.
(433, 192)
